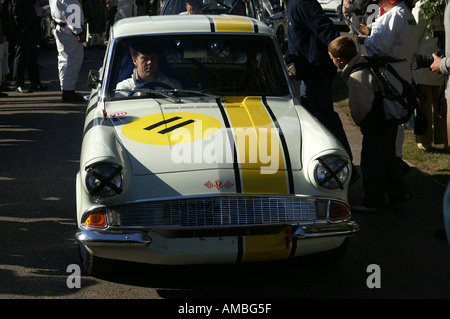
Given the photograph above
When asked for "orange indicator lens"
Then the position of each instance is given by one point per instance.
(96, 219)
(338, 210)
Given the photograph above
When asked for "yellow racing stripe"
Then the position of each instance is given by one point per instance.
(267, 247)
(260, 154)
(240, 24)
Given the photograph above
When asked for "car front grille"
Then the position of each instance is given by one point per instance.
(221, 211)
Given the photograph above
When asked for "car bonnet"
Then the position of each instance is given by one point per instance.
(244, 133)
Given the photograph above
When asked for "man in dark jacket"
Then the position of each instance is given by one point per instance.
(309, 33)
(95, 18)
(24, 28)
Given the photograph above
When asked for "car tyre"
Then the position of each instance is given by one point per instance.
(95, 266)
(324, 259)
(331, 257)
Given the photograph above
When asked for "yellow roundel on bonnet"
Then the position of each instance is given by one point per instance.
(171, 128)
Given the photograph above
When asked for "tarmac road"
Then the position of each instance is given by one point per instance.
(40, 140)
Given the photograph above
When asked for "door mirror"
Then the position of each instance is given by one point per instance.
(93, 79)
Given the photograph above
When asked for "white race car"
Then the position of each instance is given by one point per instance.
(214, 160)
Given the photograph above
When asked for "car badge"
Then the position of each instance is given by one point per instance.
(218, 184)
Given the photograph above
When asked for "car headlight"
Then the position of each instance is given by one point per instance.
(332, 172)
(104, 180)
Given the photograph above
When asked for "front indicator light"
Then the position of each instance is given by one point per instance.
(338, 210)
(96, 219)
(331, 209)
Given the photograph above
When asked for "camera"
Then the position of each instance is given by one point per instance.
(425, 61)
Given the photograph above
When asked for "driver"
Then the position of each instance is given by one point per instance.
(192, 7)
(146, 63)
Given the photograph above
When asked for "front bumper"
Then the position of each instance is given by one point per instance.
(93, 238)
(166, 247)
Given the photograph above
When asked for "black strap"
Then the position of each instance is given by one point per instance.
(440, 109)
(374, 64)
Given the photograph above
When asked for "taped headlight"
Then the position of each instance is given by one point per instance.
(104, 180)
(332, 172)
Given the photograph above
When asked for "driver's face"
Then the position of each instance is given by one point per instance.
(191, 8)
(146, 65)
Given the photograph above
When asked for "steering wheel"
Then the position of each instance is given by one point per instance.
(151, 86)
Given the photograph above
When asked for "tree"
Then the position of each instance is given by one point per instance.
(430, 9)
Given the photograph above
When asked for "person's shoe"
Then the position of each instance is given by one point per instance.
(424, 147)
(39, 88)
(366, 209)
(22, 89)
(72, 96)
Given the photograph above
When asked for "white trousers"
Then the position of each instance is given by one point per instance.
(70, 58)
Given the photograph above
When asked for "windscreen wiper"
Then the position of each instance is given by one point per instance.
(193, 92)
(150, 91)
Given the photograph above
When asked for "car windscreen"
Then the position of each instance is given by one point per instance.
(221, 65)
(237, 7)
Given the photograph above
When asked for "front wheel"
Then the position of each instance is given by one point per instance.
(326, 258)
(331, 257)
(95, 266)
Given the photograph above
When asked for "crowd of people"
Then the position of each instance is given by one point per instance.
(392, 29)
(74, 30)
(380, 28)
(18, 44)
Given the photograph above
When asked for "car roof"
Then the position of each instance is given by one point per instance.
(147, 25)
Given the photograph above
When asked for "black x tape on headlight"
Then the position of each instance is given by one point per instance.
(332, 172)
(104, 180)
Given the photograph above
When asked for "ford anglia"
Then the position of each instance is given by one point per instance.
(195, 151)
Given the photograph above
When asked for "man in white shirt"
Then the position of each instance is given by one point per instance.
(394, 34)
(69, 34)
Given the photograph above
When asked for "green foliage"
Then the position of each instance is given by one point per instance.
(432, 8)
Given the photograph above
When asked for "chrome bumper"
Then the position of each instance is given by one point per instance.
(330, 230)
(93, 238)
